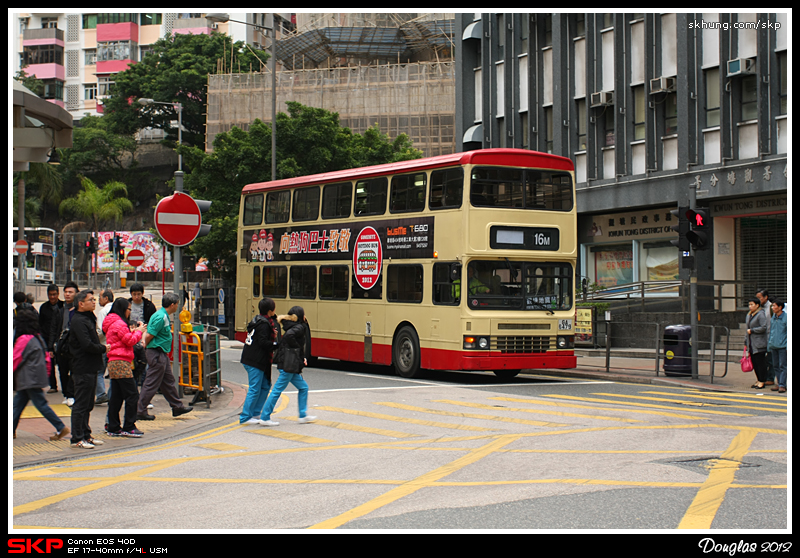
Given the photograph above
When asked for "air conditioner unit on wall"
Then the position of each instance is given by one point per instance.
(662, 85)
(602, 99)
(741, 67)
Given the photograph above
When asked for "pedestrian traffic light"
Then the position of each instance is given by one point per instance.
(682, 228)
(699, 229)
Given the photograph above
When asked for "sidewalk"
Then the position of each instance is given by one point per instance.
(626, 368)
(32, 445)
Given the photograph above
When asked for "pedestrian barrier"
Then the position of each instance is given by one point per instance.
(201, 362)
(666, 345)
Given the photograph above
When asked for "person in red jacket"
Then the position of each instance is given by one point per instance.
(121, 336)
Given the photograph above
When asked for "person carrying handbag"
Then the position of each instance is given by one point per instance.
(290, 360)
(756, 341)
(30, 362)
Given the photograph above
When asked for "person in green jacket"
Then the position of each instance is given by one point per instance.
(158, 340)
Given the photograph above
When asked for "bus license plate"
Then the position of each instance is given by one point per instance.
(564, 324)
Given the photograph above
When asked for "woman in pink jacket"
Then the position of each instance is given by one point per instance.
(121, 336)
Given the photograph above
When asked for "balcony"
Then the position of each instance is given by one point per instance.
(46, 36)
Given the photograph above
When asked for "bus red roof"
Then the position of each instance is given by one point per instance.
(503, 157)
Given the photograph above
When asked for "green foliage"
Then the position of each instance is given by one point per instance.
(309, 141)
(98, 204)
(176, 70)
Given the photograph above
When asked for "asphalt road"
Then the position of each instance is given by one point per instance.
(451, 451)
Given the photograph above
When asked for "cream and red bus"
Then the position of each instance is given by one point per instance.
(456, 262)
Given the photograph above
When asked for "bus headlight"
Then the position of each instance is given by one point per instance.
(565, 342)
(476, 343)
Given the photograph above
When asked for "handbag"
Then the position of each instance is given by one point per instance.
(747, 364)
(292, 360)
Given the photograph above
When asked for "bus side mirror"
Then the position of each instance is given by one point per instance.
(455, 271)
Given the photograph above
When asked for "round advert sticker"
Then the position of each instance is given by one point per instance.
(367, 258)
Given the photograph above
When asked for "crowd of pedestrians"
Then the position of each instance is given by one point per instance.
(71, 343)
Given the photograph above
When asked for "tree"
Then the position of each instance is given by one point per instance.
(43, 179)
(309, 141)
(109, 202)
(176, 70)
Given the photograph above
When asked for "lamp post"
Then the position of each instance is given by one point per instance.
(224, 18)
(177, 276)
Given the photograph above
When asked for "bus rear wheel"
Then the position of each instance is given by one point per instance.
(405, 353)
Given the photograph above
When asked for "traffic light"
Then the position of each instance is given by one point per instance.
(682, 228)
(203, 206)
(699, 234)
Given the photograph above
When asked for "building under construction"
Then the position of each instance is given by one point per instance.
(396, 70)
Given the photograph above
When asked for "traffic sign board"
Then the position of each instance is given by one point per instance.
(135, 258)
(21, 246)
(178, 219)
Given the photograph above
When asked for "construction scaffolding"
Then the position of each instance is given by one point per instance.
(416, 98)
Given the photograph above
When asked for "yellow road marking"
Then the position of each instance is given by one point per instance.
(574, 406)
(291, 436)
(221, 446)
(690, 403)
(649, 405)
(471, 415)
(38, 504)
(412, 486)
(706, 503)
(729, 397)
(364, 429)
(557, 413)
(405, 420)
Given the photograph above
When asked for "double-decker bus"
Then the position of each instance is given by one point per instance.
(40, 259)
(456, 262)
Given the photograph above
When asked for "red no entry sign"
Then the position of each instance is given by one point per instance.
(135, 258)
(178, 219)
(21, 246)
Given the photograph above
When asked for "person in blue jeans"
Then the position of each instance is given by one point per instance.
(777, 344)
(30, 365)
(262, 336)
(294, 337)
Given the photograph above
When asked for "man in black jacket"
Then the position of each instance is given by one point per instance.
(47, 312)
(60, 322)
(87, 359)
(262, 335)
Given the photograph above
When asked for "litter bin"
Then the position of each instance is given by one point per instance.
(678, 350)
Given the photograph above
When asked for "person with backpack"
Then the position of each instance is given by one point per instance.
(262, 336)
(290, 359)
(30, 364)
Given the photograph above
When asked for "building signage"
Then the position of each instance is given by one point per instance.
(647, 223)
(394, 239)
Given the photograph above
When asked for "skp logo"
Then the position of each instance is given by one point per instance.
(30, 546)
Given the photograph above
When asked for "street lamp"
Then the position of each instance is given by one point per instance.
(179, 109)
(224, 18)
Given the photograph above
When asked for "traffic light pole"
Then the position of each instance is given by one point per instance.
(693, 289)
(176, 288)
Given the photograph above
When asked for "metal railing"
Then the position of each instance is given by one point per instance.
(726, 295)
(656, 331)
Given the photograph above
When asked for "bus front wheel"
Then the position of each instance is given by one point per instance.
(405, 353)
